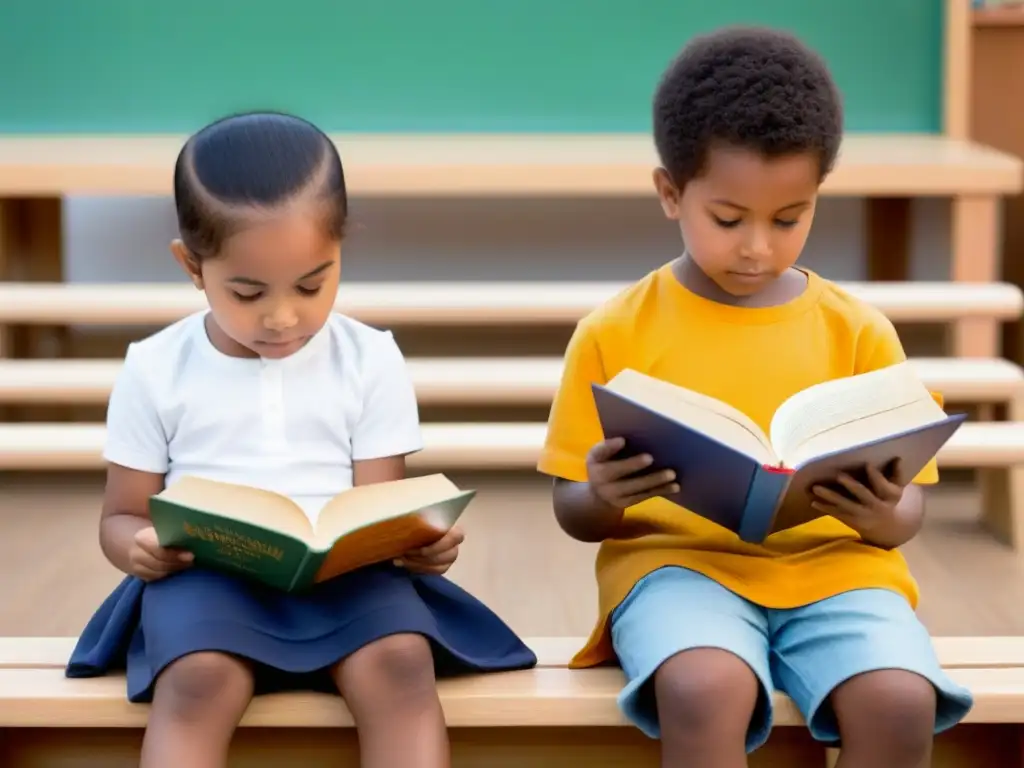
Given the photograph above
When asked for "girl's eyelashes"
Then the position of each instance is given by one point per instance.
(302, 290)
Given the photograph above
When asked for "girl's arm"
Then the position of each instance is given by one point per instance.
(125, 512)
(382, 470)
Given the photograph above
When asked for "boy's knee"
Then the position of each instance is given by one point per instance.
(392, 670)
(705, 691)
(201, 683)
(891, 712)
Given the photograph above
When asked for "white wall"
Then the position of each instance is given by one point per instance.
(125, 239)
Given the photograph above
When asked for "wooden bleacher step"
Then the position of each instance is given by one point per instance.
(897, 165)
(462, 446)
(481, 303)
(488, 381)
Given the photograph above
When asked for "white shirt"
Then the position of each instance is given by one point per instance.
(293, 426)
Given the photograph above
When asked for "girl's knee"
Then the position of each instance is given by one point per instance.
(705, 692)
(398, 668)
(201, 683)
(889, 712)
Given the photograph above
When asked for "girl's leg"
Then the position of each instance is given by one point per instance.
(197, 704)
(390, 689)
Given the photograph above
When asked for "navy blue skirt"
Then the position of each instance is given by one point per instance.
(292, 639)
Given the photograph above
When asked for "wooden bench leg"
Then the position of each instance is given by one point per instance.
(1002, 500)
(975, 258)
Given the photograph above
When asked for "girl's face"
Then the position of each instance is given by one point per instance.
(272, 286)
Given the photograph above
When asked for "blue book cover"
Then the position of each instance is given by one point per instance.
(744, 486)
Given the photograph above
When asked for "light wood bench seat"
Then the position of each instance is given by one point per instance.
(953, 652)
(530, 718)
(488, 381)
(458, 303)
(474, 446)
(885, 165)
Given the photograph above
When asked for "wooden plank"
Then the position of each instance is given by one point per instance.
(475, 380)
(953, 652)
(545, 696)
(524, 747)
(464, 446)
(869, 164)
(493, 303)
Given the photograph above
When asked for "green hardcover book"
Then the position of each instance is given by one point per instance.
(267, 537)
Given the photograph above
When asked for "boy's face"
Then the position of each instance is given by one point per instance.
(745, 220)
(272, 286)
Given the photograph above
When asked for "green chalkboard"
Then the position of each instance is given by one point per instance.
(149, 66)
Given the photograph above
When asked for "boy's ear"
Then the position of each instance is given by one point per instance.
(188, 262)
(668, 193)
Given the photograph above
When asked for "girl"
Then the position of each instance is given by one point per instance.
(270, 387)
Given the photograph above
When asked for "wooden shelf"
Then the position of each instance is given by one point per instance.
(1009, 16)
(501, 165)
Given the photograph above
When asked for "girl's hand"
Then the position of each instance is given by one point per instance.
(149, 561)
(437, 558)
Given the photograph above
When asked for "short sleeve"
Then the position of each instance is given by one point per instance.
(389, 424)
(135, 435)
(880, 347)
(573, 424)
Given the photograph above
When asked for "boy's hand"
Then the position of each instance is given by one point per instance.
(149, 561)
(606, 476)
(874, 509)
(436, 558)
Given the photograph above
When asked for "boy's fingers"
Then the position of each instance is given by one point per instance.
(606, 449)
(883, 487)
(645, 483)
(662, 490)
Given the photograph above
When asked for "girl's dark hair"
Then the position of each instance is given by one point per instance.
(759, 89)
(251, 162)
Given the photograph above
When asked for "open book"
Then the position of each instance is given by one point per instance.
(267, 537)
(755, 484)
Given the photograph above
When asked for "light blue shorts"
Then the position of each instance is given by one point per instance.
(805, 652)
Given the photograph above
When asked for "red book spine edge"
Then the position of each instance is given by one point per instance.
(778, 470)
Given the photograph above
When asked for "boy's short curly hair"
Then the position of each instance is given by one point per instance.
(755, 88)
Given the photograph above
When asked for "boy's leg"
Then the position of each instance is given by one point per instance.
(695, 657)
(862, 670)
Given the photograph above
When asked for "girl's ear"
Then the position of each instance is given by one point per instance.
(668, 193)
(188, 262)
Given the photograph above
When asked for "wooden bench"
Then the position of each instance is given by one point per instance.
(996, 448)
(482, 381)
(544, 717)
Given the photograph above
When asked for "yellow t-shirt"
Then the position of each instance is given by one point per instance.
(753, 359)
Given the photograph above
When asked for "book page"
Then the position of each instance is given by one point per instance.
(707, 415)
(844, 412)
(367, 505)
(264, 509)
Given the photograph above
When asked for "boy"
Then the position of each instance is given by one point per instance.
(747, 124)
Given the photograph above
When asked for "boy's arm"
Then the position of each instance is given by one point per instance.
(573, 430)
(879, 347)
(581, 514)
